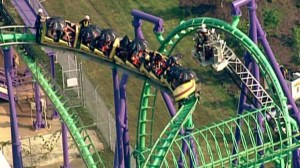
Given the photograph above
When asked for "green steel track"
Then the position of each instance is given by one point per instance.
(69, 116)
(272, 146)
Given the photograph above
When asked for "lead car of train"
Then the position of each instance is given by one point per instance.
(135, 54)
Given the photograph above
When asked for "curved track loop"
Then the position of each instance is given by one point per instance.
(269, 149)
(191, 25)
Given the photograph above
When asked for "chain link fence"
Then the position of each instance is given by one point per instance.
(99, 111)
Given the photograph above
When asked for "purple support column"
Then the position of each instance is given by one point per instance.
(64, 132)
(124, 120)
(119, 139)
(188, 145)
(169, 103)
(38, 123)
(16, 144)
(255, 69)
(52, 69)
(273, 62)
(137, 23)
(295, 112)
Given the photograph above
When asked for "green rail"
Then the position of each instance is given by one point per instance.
(215, 143)
(68, 115)
(144, 138)
(167, 46)
(168, 135)
(187, 27)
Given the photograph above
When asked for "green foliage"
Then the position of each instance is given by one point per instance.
(296, 40)
(271, 19)
(244, 26)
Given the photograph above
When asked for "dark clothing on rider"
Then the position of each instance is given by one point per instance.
(84, 23)
(38, 26)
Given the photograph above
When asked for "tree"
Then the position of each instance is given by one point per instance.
(271, 19)
(296, 40)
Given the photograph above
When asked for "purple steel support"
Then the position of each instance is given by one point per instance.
(124, 120)
(169, 103)
(52, 69)
(158, 28)
(38, 123)
(236, 6)
(119, 139)
(16, 144)
(137, 22)
(183, 149)
(252, 6)
(294, 110)
(295, 113)
(64, 131)
(190, 148)
(254, 23)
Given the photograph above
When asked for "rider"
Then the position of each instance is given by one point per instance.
(67, 33)
(201, 39)
(84, 23)
(40, 18)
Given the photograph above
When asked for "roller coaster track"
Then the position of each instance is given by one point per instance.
(215, 143)
(163, 143)
(67, 114)
(145, 139)
(14, 35)
(272, 149)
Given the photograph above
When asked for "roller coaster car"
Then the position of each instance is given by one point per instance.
(59, 31)
(184, 90)
(212, 53)
(87, 36)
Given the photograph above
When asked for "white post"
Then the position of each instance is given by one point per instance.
(109, 131)
(96, 95)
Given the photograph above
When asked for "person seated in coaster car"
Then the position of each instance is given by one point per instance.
(69, 33)
(123, 50)
(137, 50)
(105, 41)
(89, 34)
(55, 28)
(171, 67)
(84, 23)
(158, 63)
